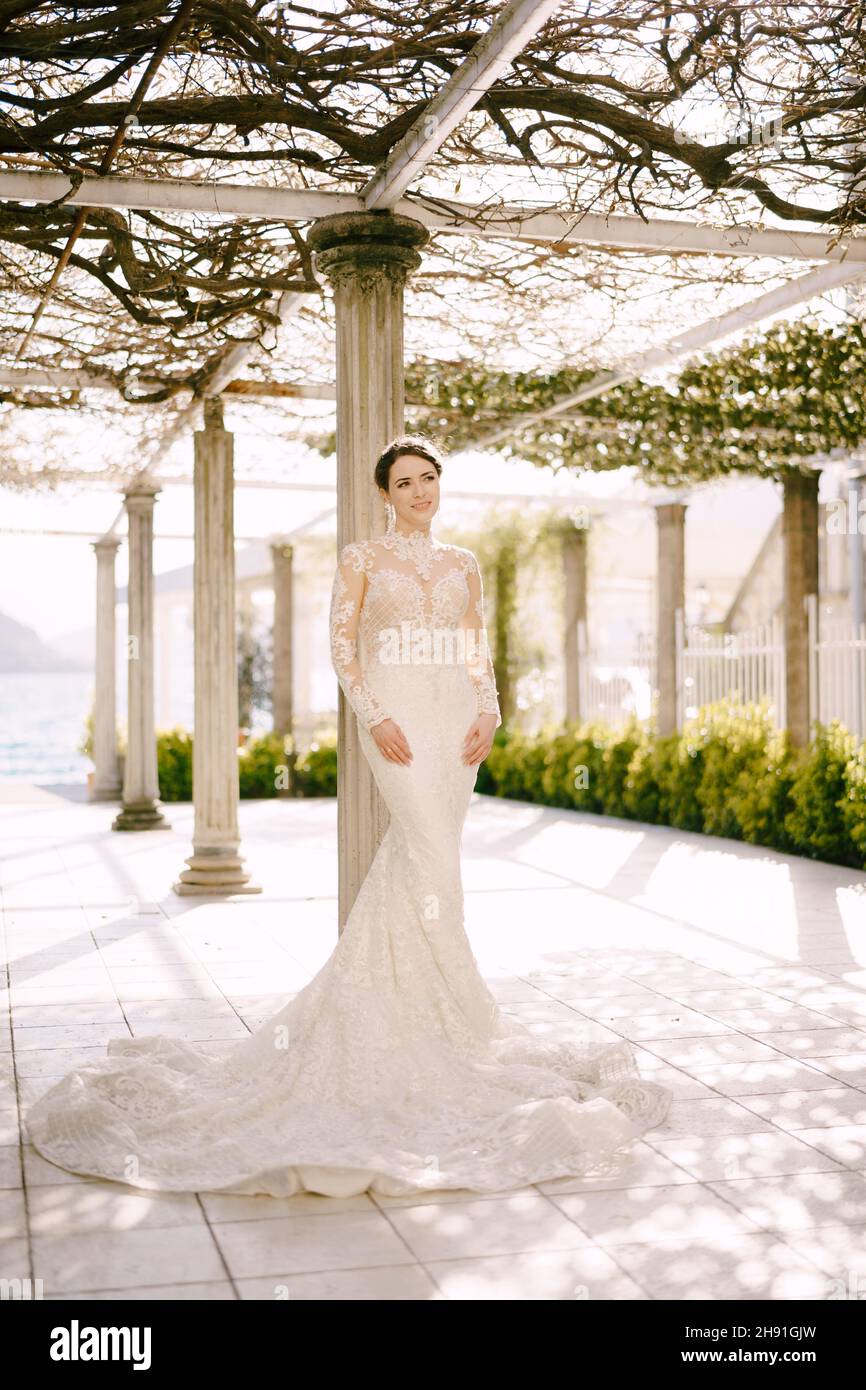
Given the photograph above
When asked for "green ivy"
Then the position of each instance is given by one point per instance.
(757, 408)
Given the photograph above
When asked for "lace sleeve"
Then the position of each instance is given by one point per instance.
(478, 660)
(347, 597)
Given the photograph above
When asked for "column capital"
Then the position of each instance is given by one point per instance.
(362, 249)
(140, 497)
(803, 482)
(106, 545)
(212, 413)
(670, 511)
(571, 527)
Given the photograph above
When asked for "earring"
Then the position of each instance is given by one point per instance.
(390, 517)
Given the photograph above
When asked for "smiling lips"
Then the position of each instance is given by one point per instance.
(419, 506)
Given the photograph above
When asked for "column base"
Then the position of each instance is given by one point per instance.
(221, 873)
(140, 815)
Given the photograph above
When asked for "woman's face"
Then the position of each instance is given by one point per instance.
(413, 491)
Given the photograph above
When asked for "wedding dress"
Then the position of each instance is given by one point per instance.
(393, 1070)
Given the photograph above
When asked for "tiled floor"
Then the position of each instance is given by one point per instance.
(739, 975)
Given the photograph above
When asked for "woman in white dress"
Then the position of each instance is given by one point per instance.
(393, 1070)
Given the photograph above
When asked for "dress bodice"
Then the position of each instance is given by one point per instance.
(422, 583)
(407, 598)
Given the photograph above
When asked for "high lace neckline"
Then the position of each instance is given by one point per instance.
(421, 540)
(421, 547)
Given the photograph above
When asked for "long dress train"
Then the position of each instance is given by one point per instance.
(393, 1070)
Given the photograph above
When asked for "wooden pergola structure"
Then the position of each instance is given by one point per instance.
(367, 244)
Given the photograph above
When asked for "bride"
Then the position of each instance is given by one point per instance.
(393, 1070)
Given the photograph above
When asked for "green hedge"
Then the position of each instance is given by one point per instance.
(316, 772)
(174, 764)
(267, 766)
(729, 773)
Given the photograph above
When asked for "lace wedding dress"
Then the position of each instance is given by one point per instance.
(393, 1070)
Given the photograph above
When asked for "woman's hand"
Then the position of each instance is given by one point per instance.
(391, 742)
(479, 740)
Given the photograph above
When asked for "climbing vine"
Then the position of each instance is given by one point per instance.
(773, 401)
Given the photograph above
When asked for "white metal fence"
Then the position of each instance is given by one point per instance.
(615, 687)
(742, 666)
(837, 669)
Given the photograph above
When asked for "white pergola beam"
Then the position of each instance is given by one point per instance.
(666, 235)
(661, 236)
(24, 378)
(96, 535)
(60, 378)
(161, 481)
(73, 379)
(798, 291)
(491, 55)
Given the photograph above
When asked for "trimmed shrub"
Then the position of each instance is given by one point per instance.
(643, 792)
(262, 764)
(736, 740)
(316, 771)
(174, 764)
(761, 795)
(617, 754)
(729, 773)
(265, 767)
(486, 779)
(817, 821)
(682, 774)
(517, 766)
(853, 806)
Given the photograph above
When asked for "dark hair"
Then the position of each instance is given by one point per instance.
(405, 444)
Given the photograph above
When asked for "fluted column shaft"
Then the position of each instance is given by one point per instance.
(367, 257)
(574, 567)
(106, 774)
(141, 809)
(670, 599)
(283, 687)
(215, 866)
(800, 549)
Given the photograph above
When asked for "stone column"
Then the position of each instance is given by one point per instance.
(215, 866)
(165, 639)
(141, 808)
(800, 543)
(106, 775)
(245, 654)
(309, 632)
(670, 599)
(283, 677)
(367, 256)
(574, 567)
(856, 595)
